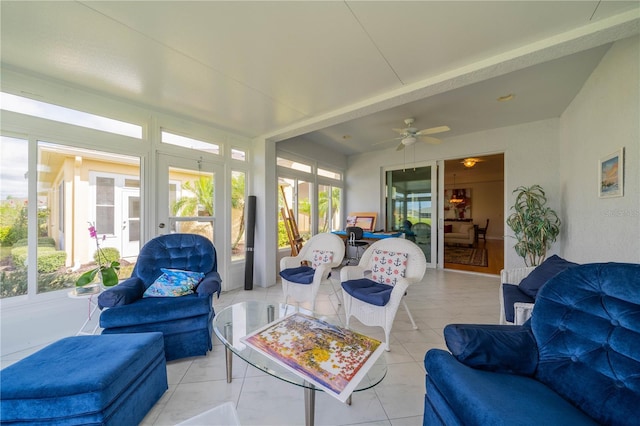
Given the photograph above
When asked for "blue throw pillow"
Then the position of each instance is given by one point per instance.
(548, 269)
(500, 348)
(174, 283)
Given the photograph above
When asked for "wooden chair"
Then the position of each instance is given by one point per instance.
(482, 232)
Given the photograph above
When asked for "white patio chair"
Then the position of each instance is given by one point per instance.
(368, 299)
(522, 310)
(321, 253)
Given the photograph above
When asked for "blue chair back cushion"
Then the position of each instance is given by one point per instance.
(548, 269)
(299, 275)
(575, 313)
(188, 252)
(368, 291)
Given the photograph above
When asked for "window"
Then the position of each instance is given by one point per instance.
(78, 187)
(66, 115)
(14, 231)
(238, 226)
(329, 213)
(105, 190)
(185, 142)
(329, 174)
(239, 155)
(294, 165)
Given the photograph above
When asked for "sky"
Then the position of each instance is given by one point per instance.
(13, 167)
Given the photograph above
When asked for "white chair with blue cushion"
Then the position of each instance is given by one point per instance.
(394, 264)
(303, 274)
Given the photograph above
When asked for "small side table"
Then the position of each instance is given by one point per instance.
(93, 306)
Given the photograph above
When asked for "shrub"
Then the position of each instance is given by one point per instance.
(13, 283)
(110, 253)
(49, 259)
(5, 239)
(42, 242)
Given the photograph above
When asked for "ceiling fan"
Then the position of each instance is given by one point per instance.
(410, 135)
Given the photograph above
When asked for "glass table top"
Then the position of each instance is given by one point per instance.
(236, 321)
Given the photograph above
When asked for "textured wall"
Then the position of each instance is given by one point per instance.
(603, 117)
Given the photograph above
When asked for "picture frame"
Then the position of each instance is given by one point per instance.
(364, 220)
(611, 175)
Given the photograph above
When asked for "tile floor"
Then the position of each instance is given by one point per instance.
(443, 297)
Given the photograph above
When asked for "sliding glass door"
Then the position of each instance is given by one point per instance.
(410, 206)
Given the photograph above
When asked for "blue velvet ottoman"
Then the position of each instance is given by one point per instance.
(90, 380)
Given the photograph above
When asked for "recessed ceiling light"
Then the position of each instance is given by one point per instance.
(506, 98)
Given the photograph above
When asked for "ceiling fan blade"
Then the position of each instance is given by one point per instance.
(400, 147)
(433, 130)
(400, 131)
(429, 139)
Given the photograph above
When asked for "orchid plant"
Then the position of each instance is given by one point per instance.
(108, 270)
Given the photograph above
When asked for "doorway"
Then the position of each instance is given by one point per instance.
(410, 202)
(473, 195)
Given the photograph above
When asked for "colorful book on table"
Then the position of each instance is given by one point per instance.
(330, 357)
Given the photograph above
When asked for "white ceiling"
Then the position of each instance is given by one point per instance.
(326, 69)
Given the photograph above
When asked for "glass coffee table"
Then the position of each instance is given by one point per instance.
(238, 320)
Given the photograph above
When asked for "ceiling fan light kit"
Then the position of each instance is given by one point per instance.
(410, 135)
(470, 162)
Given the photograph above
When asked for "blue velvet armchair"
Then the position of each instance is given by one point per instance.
(575, 362)
(184, 321)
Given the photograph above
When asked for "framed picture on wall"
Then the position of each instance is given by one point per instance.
(611, 175)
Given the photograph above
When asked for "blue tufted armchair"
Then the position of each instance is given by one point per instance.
(575, 362)
(184, 321)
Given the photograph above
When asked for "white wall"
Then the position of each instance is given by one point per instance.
(487, 202)
(322, 155)
(603, 117)
(562, 156)
(530, 158)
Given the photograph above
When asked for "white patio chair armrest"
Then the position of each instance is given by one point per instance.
(522, 312)
(290, 262)
(351, 273)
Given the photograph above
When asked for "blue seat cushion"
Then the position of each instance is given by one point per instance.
(368, 291)
(511, 294)
(548, 269)
(299, 275)
(156, 310)
(466, 396)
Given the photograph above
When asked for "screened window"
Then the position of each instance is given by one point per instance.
(238, 154)
(66, 115)
(185, 142)
(294, 165)
(105, 199)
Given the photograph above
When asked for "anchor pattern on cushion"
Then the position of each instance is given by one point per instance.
(388, 266)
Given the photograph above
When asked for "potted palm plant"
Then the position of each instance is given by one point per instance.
(535, 225)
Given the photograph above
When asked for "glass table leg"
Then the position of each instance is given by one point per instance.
(309, 403)
(228, 355)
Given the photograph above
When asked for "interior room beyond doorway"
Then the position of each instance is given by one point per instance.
(473, 203)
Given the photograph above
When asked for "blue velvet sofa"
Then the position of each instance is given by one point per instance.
(575, 362)
(184, 321)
